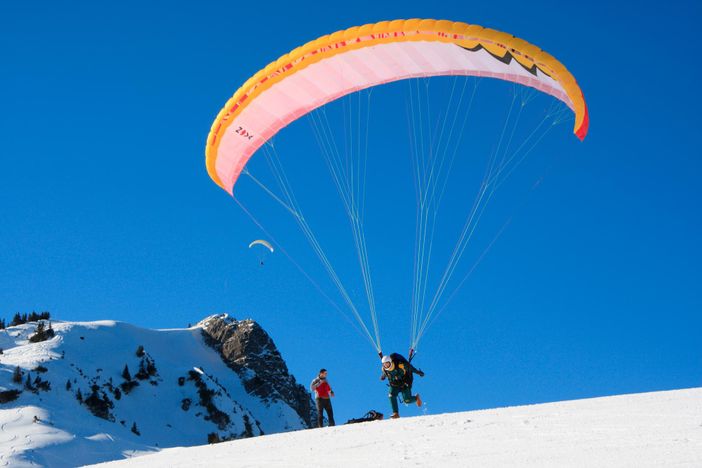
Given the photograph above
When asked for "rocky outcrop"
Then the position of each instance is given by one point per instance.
(248, 350)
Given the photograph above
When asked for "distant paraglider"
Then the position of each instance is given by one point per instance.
(261, 252)
(263, 243)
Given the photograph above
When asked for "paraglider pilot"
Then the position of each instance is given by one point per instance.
(323, 393)
(399, 372)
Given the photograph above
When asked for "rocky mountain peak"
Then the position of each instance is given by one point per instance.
(248, 350)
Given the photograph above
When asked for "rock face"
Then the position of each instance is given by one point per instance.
(248, 350)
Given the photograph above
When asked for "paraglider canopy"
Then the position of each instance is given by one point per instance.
(262, 242)
(347, 61)
(314, 76)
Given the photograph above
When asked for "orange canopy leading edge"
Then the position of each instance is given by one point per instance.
(361, 57)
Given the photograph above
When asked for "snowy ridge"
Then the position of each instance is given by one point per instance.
(77, 407)
(642, 430)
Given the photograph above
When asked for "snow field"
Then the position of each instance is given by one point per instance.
(642, 430)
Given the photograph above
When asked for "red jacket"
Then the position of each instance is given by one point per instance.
(321, 388)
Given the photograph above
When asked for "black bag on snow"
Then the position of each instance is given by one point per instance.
(372, 415)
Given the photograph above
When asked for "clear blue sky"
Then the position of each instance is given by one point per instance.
(107, 211)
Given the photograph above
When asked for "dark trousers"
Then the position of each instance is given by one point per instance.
(324, 404)
(407, 396)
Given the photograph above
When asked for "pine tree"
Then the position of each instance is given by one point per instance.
(2, 324)
(68, 384)
(248, 428)
(16, 319)
(142, 374)
(150, 367)
(28, 382)
(17, 375)
(140, 351)
(79, 396)
(40, 334)
(125, 373)
(135, 430)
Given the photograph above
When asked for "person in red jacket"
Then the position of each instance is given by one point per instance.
(323, 394)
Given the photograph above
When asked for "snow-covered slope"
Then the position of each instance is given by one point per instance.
(645, 430)
(185, 393)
